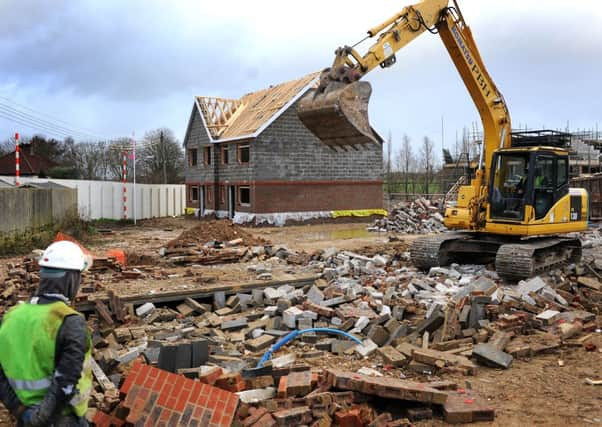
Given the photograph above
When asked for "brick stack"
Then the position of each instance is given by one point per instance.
(155, 397)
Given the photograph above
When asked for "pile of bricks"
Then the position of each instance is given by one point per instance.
(153, 397)
(415, 328)
(451, 320)
(416, 217)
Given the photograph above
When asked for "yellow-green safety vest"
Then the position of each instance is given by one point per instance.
(27, 349)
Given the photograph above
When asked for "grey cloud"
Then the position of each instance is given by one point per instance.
(116, 66)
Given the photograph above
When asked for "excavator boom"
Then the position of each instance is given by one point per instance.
(337, 111)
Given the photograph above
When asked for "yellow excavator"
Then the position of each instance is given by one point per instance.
(518, 209)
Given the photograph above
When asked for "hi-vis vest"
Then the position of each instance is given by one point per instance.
(27, 348)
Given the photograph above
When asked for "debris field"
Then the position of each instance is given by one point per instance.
(384, 344)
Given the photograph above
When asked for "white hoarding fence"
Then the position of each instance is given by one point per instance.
(104, 199)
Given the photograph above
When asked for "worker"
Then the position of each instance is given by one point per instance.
(540, 179)
(521, 186)
(45, 347)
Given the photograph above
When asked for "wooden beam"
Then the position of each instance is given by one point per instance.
(206, 292)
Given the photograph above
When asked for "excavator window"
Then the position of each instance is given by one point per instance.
(509, 185)
(550, 182)
(544, 185)
(563, 176)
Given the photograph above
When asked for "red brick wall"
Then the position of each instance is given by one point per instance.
(283, 196)
(293, 197)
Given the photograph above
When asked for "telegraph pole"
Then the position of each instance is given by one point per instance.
(163, 159)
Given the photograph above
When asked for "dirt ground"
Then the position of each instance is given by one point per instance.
(535, 392)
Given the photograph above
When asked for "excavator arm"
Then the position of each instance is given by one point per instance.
(393, 34)
(337, 111)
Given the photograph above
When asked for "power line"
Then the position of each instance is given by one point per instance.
(30, 125)
(37, 126)
(45, 123)
(88, 131)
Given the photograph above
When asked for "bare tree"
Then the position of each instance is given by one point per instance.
(113, 158)
(161, 159)
(427, 161)
(405, 161)
(388, 162)
(7, 146)
(88, 157)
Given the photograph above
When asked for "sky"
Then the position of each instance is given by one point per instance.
(107, 69)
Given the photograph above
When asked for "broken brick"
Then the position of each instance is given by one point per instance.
(467, 407)
(349, 418)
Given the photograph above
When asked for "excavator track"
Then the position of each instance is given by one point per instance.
(428, 251)
(518, 261)
(514, 261)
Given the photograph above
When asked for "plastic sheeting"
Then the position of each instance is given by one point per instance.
(279, 218)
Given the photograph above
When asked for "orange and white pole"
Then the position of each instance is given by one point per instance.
(125, 198)
(17, 161)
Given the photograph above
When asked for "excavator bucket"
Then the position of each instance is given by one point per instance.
(338, 115)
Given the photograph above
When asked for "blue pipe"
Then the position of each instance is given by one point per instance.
(292, 335)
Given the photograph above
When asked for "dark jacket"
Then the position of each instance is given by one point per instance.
(70, 351)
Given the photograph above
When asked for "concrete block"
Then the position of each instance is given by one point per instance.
(284, 360)
(145, 309)
(260, 343)
(290, 316)
(298, 383)
(340, 346)
(234, 324)
(257, 296)
(548, 317)
(184, 356)
(219, 299)
(167, 357)
(303, 323)
(361, 323)
(491, 356)
(315, 295)
(200, 353)
(367, 348)
(378, 334)
(257, 395)
(534, 284)
(392, 356)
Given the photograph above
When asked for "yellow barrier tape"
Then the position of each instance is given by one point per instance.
(359, 212)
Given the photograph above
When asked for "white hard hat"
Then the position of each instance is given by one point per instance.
(65, 255)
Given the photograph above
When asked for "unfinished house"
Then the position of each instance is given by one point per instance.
(251, 159)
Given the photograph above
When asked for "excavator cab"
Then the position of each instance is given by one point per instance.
(527, 177)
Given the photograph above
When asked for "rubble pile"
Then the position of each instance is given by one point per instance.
(215, 231)
(417, 217)
(380, 339)
(211, 242)
(17, 283)
(414, 329)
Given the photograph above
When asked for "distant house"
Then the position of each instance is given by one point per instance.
(30, 163)
(252, 159)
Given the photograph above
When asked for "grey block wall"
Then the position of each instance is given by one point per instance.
(285, 151)
(288, 151)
